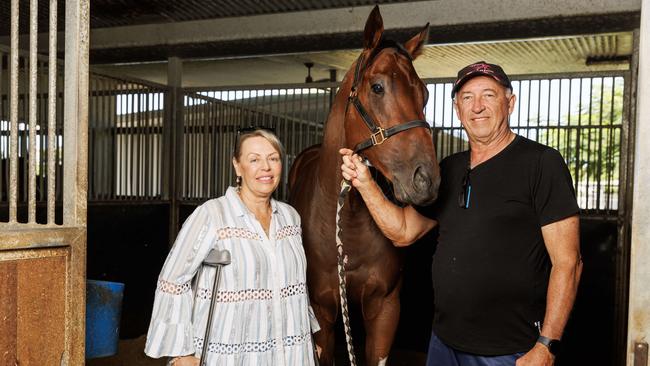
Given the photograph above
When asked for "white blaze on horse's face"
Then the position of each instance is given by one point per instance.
(259, 165)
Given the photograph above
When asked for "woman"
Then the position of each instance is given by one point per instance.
(262, 315)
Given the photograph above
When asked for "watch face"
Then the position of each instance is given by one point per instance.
(555, 346)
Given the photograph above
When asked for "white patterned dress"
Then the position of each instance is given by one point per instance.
(262, 315)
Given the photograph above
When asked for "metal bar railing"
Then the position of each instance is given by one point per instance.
(576, 113)
(124, 144)
(13, 115)
(27, 100)
(2, 128)
(33, 78)
(580, 116)
(213, 116)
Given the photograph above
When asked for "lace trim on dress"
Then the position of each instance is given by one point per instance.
(237, 232)
(250, 294)
(250, 347)
(288, 231)
(173, 288)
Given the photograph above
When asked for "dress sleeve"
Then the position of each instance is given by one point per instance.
(170, 331)
(554, 196)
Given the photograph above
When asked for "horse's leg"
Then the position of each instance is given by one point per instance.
(381, 316)
(325, 307)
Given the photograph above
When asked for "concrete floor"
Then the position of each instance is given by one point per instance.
(130, 353)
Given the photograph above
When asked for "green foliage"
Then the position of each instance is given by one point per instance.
(589, 136)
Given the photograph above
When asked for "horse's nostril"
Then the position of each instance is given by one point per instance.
(421, 180)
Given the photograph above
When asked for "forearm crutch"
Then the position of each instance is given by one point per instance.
(217, 259)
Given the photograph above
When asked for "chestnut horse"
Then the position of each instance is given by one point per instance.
(379, 95)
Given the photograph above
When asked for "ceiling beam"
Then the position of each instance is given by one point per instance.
(547, 27)
(351, 20)
(323, 30)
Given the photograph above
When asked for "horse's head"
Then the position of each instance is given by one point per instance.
(387, 90)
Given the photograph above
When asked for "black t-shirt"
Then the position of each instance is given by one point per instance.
(491, 268)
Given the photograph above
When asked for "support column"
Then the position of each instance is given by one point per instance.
(639, 299)
(173, 137)
(75, 170)
(333, 77)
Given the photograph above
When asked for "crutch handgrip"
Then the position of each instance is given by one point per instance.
(217, 257)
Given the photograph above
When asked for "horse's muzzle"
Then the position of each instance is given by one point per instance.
(425, 184)
(418, 188)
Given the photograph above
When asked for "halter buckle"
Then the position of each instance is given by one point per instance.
(353, 93)
(378, 137)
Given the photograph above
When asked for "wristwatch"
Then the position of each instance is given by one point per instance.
(553, 345)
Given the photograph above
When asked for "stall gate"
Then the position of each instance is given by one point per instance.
(42, 258)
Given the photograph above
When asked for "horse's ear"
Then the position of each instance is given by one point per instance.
(414, 45)
(374, 29)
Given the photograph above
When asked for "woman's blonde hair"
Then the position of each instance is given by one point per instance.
(268, 134)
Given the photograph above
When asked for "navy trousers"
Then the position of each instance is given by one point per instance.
(441, 355)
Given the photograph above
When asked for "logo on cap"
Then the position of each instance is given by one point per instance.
(477, 69)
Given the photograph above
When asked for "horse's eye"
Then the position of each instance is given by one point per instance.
(377, 88)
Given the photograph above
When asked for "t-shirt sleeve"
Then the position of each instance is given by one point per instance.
(554, 196)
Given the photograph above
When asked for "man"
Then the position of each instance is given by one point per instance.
(507, 264)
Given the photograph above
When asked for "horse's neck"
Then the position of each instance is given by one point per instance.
(333, 139)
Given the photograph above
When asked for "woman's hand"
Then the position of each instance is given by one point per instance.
(185, 361)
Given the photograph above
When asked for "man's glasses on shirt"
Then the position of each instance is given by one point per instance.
(466, 191)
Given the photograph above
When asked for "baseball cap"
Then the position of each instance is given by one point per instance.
(478, 69)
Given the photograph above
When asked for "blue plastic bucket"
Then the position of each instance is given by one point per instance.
(103, 311)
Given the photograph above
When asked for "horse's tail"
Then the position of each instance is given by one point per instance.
(302, 160)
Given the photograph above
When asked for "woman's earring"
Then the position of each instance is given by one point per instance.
(238, 182)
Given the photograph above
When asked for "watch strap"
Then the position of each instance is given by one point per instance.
(550, 343)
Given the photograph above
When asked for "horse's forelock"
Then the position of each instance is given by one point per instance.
(387, 43)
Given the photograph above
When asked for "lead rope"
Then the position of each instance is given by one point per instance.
(341, 261)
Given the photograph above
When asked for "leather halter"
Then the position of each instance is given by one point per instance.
(378, 134)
